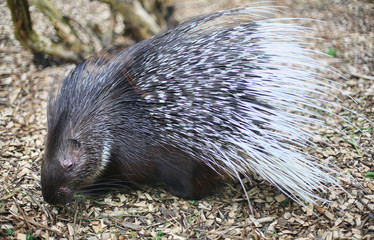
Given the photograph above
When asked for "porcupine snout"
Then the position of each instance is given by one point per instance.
(54, 184)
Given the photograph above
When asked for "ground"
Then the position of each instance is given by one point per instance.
(343, 28)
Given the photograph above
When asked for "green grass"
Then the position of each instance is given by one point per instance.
(332, 52)
(370, 174)
(29, 236)
(160, 234)
(353, 143)
(9, 231)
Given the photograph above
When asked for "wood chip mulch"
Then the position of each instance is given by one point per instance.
(152, 213)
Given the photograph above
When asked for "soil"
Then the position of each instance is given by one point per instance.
(343, 28)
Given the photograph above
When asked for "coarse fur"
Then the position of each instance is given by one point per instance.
(219, 96)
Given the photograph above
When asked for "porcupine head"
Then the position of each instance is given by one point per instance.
(85, 116)
(218, 95)
(76, 147)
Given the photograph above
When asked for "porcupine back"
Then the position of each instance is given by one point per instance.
(238, 95)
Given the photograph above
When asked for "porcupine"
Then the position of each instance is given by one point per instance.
(220, 96)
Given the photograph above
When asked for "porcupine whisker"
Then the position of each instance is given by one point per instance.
(102, 190)
(110, 185)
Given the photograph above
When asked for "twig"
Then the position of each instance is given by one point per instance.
(266, 219)
(35, 223)
(23, 213)
(362, 76)
(75, 218)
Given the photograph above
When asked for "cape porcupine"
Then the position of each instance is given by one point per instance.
(221, 95)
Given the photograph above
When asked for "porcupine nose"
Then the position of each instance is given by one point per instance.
(54, 185)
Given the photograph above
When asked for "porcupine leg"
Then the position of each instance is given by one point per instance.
(186, 177)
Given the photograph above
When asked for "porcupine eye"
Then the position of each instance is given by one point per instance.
(74, 144)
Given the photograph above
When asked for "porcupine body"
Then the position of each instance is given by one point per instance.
(219, 96)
